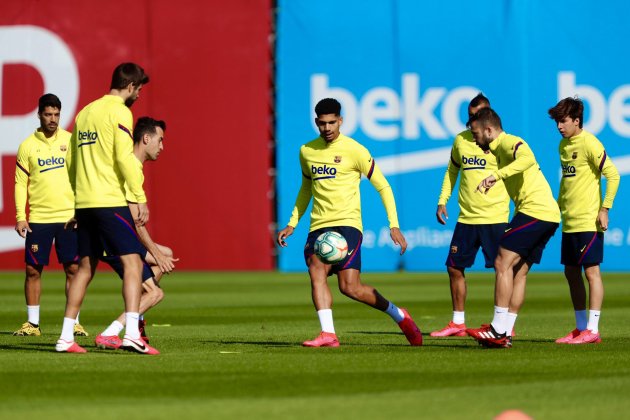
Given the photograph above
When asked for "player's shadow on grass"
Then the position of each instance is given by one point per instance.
(43, 347)
(254, 343)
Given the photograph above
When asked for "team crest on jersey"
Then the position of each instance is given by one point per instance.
(34, 247)
(574, 156)
(337, 159)
(63, 148)
(453, 249)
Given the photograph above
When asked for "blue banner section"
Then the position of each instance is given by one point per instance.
(404, 72)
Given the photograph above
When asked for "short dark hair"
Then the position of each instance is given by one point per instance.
(478, 100)
(48, 100)
(126, 73)
(146, 125)
(487, 117)
(328, 106)
(568, 107)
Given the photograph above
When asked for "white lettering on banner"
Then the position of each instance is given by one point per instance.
(50, 56)
(618, 109)
(380, 116)
(420, 237)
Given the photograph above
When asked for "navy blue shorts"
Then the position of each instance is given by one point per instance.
(115, 263)
(466, 242)
(353, 236)
(528, 236)
(39, 243)
(109, 230)
(582, 248)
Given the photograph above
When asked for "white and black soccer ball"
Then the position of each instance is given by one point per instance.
(331, 247)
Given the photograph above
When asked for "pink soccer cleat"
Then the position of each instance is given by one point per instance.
(138, 346)
(411, 330)
(586, 337)
(324, 339)
(451, 330)
(111, 342)
(568, 337)
(64, 346)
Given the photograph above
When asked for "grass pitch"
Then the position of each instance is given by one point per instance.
(230, 346)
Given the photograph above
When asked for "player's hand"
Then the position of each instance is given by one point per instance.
(399, 239)
(165, 264)
(283, 235)
(71, 224)
(441, 214)
(602, 218)
(486, 184)
(143, 214)
(22, 227)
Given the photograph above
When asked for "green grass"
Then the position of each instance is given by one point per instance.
(232, 350)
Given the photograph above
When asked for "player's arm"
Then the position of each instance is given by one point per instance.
(71, 161)
(301, 204)
(448, 184)
(22, 173)
(165, 263)
(369, 168)
(609, 170)
(123, 154)
(523, 159)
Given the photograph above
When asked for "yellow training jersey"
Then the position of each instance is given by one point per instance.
(583, 161)
(331, 173)
(475, 165)
(101, 159)
(523, 179)
(130, 197)
(42, 179)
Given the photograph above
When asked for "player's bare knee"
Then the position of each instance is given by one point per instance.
(159, 295)
(33, 273)
(455, 273)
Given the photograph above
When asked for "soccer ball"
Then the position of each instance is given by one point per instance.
(331, 247)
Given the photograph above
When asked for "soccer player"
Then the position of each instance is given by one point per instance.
(100, 162)
(535, 221)
(482, 217)
(148, 136)
(41, 180)
(584, 215)
(332, 166)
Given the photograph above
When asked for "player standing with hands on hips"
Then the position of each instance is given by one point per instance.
(332, 166)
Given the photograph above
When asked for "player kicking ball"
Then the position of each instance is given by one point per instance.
(332, 166)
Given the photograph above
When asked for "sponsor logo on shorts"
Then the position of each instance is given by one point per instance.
(34, 247)
(453, 249)
(350, 252)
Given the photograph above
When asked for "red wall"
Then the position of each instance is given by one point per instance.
(209, 64)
